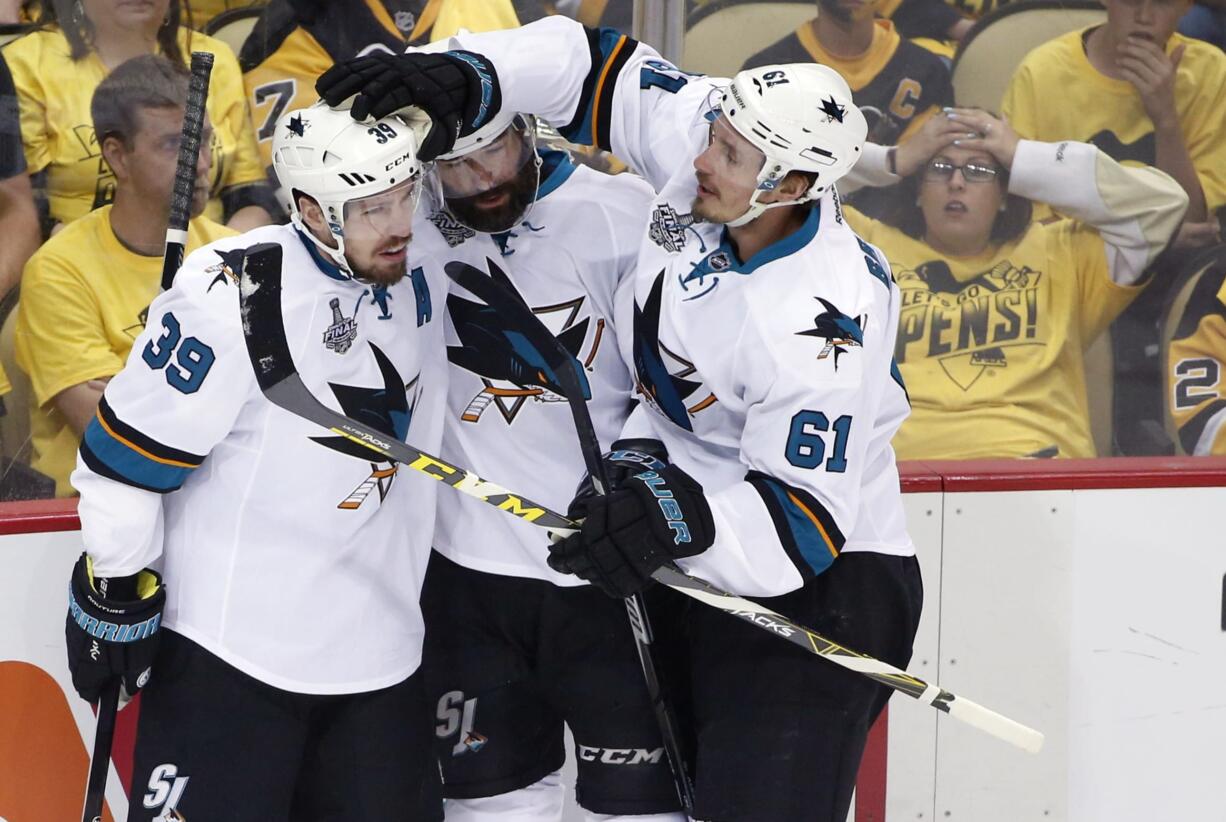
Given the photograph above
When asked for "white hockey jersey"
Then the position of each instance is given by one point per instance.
(770, 380)
(566, 259)
(288, 552)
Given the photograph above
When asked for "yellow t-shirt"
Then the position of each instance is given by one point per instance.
(1056, 94)
(54, 94)
(84, 300)
(281, 60)
(990, 348)
(1196, 357)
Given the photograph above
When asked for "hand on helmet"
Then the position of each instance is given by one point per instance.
(458, 90)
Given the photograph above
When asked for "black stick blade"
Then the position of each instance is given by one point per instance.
(259, 290)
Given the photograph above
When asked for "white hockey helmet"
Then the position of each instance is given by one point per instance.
(801, 116)
(482, 137)
(334, 159)
(480, 164)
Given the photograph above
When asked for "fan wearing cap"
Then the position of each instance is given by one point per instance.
(280, 662)
(762, 349)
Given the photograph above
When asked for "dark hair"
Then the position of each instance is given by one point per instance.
(79, 30)
(906, 215)
(148, 81)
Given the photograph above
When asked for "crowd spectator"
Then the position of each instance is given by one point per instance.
(897, 84)
(1139, 91)
(1145, 95)
(998, 308)
(86, 292)
(56, 70)
(295, 41)
(18, 217)
(1194, 387)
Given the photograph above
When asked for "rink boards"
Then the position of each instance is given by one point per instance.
(1083, 598)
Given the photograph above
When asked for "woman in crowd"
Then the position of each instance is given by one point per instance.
(56, 70)
(997, 309)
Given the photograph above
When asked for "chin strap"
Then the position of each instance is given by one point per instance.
(755, 209)
(335, 255)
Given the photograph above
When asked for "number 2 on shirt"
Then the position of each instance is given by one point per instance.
(806, 448)
(191, 362)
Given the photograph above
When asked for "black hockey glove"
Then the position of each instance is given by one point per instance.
(657, 515)
(458, 89)
(625, 457)
(113, 636)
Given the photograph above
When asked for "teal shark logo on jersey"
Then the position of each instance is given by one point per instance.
(664, 388)
(838, 330)
(386, 409)
(511, 371)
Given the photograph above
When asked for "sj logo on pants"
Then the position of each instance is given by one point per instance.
(166, 788)
(455, 713)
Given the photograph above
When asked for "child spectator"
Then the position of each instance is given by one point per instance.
(1140, 92)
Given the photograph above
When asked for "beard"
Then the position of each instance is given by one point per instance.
(522, 193)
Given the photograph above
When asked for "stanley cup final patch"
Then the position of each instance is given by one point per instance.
(668, 228)
(344, 330)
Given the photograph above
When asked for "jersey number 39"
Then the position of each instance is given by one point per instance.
(192, 358)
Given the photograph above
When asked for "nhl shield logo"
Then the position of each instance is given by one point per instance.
(344, 330)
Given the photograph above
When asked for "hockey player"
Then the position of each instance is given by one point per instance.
(513, 647)
(285, 685)
(763, 333)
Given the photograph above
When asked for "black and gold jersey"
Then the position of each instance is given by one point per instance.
(897, 84)
(1195, 358)
(289, 48)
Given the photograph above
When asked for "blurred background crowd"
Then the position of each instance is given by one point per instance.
(1027, 329)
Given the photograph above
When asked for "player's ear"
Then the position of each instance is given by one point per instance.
(791, 187)
(311, 213)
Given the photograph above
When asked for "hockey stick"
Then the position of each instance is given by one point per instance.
(172, 258)
(100, 762)
(568, 372)
(185, 168)
(264, 331)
